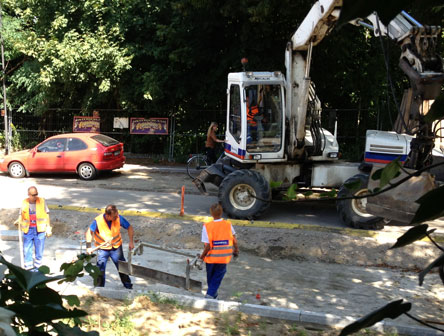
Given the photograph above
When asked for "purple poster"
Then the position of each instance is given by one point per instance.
(149, 126)
(86, 124)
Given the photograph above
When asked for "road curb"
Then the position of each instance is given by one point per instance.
(260, 224)
(302, 317)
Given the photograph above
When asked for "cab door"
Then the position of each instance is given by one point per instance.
(235, 139)
(48, 156)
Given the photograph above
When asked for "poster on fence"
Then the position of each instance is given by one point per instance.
(86, 124)
(149, 126)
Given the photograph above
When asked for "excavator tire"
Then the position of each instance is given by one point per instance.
(244, 194)
(352, 211)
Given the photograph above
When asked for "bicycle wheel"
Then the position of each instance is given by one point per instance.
(195, 165)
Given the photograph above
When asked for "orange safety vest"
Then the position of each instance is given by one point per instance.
(251, 112)
(103, 233)
(42, 218)
(220, 237)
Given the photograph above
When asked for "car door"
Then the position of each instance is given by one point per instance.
(76, 151)
(48, 156)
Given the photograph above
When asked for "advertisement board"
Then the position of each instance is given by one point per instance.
(157, 126)
(86, 124)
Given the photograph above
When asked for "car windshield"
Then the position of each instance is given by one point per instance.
(105, 140)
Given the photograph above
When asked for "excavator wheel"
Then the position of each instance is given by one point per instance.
(244, 194)
(352, 211)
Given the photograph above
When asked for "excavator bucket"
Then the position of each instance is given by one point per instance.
(399, 204)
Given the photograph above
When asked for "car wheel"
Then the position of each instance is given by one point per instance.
(244, 194)
(352, 211)
(87, 171)
(16, 170)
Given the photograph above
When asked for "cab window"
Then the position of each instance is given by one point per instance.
(264, 105)
(235, 112)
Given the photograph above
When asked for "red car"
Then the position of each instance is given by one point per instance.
(83, 153)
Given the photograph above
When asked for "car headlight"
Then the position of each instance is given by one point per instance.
(2, 160)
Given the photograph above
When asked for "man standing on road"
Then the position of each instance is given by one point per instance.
(220, 242)
(107, 238)
(34, 222)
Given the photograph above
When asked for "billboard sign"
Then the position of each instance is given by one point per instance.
(157, 126)
(86, 124)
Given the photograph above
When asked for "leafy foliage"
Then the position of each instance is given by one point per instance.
(63, 54)
(291, 192)
(275, 184)
(413, 234)
(353, 185)
(439, 262)
(391, 310)
(38, 307)
(430, 206)
(388, 173)
(172, 57)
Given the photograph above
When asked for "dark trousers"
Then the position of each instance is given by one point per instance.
(211, 155)
(115, 254)
(215, 274)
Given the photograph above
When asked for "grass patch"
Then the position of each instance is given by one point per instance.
(159, 299)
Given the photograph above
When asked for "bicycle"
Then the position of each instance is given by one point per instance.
(198, 162)
(195, 164)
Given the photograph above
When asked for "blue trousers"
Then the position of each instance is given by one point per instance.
(115, 254)
(215, 274)
(33, 243)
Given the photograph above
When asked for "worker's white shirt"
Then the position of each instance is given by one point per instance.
(205, 234)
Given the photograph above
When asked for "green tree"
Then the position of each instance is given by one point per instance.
(64, 54)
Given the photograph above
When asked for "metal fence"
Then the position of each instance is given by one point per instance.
(29, 130)
(185, 136)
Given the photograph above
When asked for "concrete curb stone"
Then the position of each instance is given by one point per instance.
(305, 318)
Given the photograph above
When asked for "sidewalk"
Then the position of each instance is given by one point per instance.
(318, 293)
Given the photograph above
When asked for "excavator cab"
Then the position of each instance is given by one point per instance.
(255, 117)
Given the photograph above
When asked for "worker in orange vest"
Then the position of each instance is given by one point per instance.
(34, 222)
(220, 244)
(106, 232)
(252, 111)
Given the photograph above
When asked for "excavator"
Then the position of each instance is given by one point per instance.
(274, 133)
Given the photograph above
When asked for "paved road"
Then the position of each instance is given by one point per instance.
(319, 213)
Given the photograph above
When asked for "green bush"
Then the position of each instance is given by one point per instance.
(15, 139)
(33, 308)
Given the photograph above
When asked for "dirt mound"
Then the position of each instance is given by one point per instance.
(292, 244)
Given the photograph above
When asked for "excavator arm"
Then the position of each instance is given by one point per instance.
(419, 61)
(317, 24)
(424, 68)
